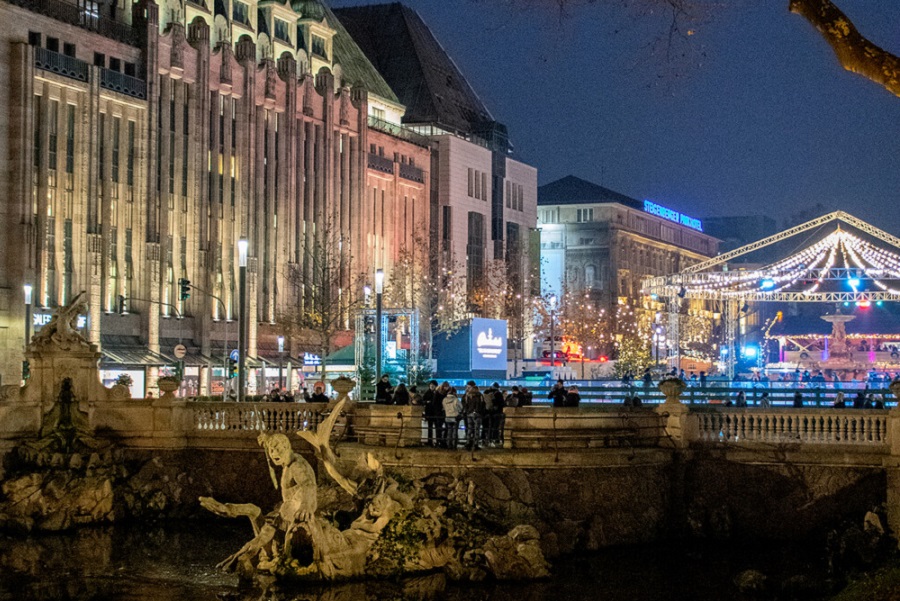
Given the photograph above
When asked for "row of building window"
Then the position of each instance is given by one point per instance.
(478, 184)
(515, 196)
(552, 215)
(53, 45)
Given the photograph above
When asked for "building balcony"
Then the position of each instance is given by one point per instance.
(81, 16)
(67, 66)
(124, 84)
(398, 131)
(412, 173)
(382, 164)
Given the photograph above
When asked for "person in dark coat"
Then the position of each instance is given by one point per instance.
(558, 394)
(572, 397)
(433, 410)
(318, 395)
(401, 395)
(384, 392)
(798, 399)
(525, 397)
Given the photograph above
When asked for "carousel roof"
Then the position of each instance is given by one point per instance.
(873, 322)
(858, 265)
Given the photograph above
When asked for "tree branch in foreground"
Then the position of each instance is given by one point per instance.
(854, 52)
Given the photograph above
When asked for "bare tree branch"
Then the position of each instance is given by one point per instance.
(854, 52)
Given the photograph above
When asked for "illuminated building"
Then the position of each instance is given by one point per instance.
(483, 200)
(600, 242)
(143, 140)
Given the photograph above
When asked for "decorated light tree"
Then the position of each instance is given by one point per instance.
(633, 339)
(584, 325)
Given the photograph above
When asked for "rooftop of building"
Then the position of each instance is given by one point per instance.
(356, 67)
(410, 58)
(572, 190)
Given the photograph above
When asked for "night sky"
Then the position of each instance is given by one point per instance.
(754, 115)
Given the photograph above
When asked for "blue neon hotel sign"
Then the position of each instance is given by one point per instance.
(666, 213)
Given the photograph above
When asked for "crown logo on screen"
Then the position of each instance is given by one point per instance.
(488, 345)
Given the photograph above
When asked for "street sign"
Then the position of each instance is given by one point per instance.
(179, 351)
(234, 355)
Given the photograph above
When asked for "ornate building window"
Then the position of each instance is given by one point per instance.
(240, 13)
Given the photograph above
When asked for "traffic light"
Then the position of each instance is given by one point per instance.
(121, 305)
(26, 370)
(185, 286)
(232, 368)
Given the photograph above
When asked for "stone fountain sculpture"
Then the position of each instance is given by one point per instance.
(372, 525)
(839, 355)
(61, 475)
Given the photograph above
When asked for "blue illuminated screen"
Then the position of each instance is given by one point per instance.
(488, 340)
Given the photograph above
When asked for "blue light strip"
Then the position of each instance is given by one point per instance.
(671, 215)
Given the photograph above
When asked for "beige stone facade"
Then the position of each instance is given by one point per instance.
(140, 146)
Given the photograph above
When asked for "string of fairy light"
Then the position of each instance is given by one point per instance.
(811, 267)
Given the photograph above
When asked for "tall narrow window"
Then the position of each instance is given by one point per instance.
(475, 252)
(117, 124)
(130, 162)
(70, 138)
(68, 261)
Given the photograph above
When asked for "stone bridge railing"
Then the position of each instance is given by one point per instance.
(169, 422)
(808, 426)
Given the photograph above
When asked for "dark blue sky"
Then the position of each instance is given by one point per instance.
(757, 117)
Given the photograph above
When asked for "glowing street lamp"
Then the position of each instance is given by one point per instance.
(379, 291)
(243, 245)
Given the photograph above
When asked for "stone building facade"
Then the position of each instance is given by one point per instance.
(143, 141)
(483, 199)
(599, 244)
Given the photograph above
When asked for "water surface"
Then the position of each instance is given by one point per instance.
(176, 562)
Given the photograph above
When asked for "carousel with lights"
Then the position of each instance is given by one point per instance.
(848, 268)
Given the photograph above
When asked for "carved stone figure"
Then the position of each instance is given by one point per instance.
(62, 329)
(397, 529)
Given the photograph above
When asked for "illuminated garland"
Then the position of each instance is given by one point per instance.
(874, 263)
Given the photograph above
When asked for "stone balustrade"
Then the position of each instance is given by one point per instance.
(807, 426)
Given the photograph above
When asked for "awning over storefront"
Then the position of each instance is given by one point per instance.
(132, 356)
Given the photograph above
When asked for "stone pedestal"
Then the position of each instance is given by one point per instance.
(680, 428)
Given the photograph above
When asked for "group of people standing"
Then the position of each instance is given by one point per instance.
(564, 397)
(480, 412)
(277, 395)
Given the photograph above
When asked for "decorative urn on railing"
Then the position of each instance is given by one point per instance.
(672, 387)
(343, 385)
(168, 384)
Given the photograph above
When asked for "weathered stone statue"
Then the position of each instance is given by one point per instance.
(396, 529)
(62, 329)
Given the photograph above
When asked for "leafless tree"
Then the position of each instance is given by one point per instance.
(322, 306)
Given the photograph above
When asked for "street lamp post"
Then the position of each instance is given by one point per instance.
(659, 339)
(281, 362)
(379, 291)
(552, 331)
(242, 323)
(28, 290)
